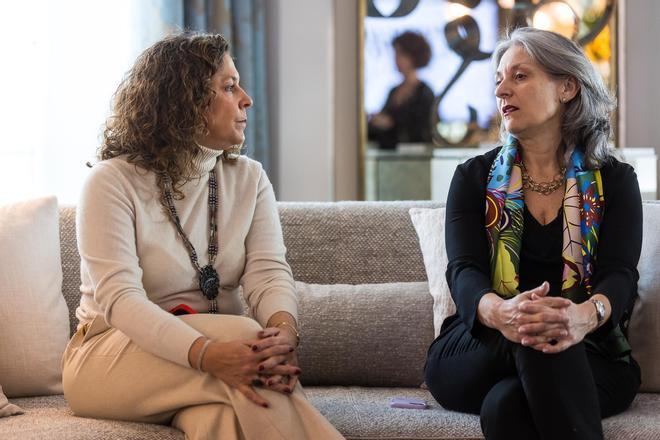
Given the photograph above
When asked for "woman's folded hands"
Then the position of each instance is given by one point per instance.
(246, 364)
(533, 319)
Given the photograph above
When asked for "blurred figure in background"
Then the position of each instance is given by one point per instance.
(406, 115)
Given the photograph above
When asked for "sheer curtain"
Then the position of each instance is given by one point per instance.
(64, 59)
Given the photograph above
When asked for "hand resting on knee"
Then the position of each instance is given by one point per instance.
(237, 363)
(548, 324)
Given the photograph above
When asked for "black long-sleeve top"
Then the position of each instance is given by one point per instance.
(412, 118)
(619, 245)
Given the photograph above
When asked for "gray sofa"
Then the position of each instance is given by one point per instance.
(361, 344)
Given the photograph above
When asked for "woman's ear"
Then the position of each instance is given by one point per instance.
(569, 89)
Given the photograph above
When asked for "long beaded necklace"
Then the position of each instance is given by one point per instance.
(209, 279)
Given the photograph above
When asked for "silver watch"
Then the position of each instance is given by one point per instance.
(600, 310)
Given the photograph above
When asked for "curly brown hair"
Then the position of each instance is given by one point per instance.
(415, 46)
(160, 106)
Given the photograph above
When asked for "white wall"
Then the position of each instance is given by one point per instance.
(313, 88)
(301, 37)
(642, 72)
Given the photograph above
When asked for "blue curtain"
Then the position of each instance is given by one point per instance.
(243, 23)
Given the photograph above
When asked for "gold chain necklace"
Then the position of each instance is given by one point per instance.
(544, 188)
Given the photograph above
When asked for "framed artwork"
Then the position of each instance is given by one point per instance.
(462, 35)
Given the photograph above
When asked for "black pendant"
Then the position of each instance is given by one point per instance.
(209, 282)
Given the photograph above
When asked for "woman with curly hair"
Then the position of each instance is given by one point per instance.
(406, 116)
(172, 227)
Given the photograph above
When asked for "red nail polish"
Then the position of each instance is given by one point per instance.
(291, 349)
(261, 368)
(297, 372)
(288, 391)
(265, 405)
(255, 348)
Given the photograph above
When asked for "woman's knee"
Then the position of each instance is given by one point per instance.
(505, 413)
(213, 420)
(223, 327)
(453, 395)
(460, 382)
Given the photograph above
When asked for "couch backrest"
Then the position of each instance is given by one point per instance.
(327, 243)
(339, 243)
(352, 242)
(366, 242)
(70, 262)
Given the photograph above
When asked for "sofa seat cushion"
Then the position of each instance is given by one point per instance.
(358, 413)
(49, 417)
(364, 413)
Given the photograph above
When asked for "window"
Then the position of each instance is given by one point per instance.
(62, 62)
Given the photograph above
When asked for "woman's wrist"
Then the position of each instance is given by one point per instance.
(291, 330)
(195, 349)
(487, 309)
(285, 322)
(600, 310)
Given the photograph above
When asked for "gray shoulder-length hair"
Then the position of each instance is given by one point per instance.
(586, 120)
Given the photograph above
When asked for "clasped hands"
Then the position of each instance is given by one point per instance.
(269, 361)
(547, 324)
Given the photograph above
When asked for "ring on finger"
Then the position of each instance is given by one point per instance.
(257, 383)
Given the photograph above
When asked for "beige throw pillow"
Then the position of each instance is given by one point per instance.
(430, 226)
(644, 329)
(6, 408)
(365, 334)
(34, 318)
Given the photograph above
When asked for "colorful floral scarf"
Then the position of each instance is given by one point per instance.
(583, 211)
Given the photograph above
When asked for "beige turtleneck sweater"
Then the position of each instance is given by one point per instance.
(135, 267)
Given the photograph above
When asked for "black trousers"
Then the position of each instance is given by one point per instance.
(522, 393)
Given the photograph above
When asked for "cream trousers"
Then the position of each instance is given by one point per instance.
(106, 375)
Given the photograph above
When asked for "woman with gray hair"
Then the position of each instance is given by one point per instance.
(544, 282)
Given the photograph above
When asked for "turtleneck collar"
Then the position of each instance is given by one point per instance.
(206, 160)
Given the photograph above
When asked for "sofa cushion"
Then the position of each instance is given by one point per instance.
(70, 263)
(49, 417)
(352, 242)
(364, 413)
(34, 320)
(644, 328)
(430, 226)
(368, 334)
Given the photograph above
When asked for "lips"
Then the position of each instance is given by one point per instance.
(508, 109)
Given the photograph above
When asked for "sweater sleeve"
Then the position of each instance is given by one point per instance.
(267, 280)
(468, 269)
(107, 244)
(619, 243)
